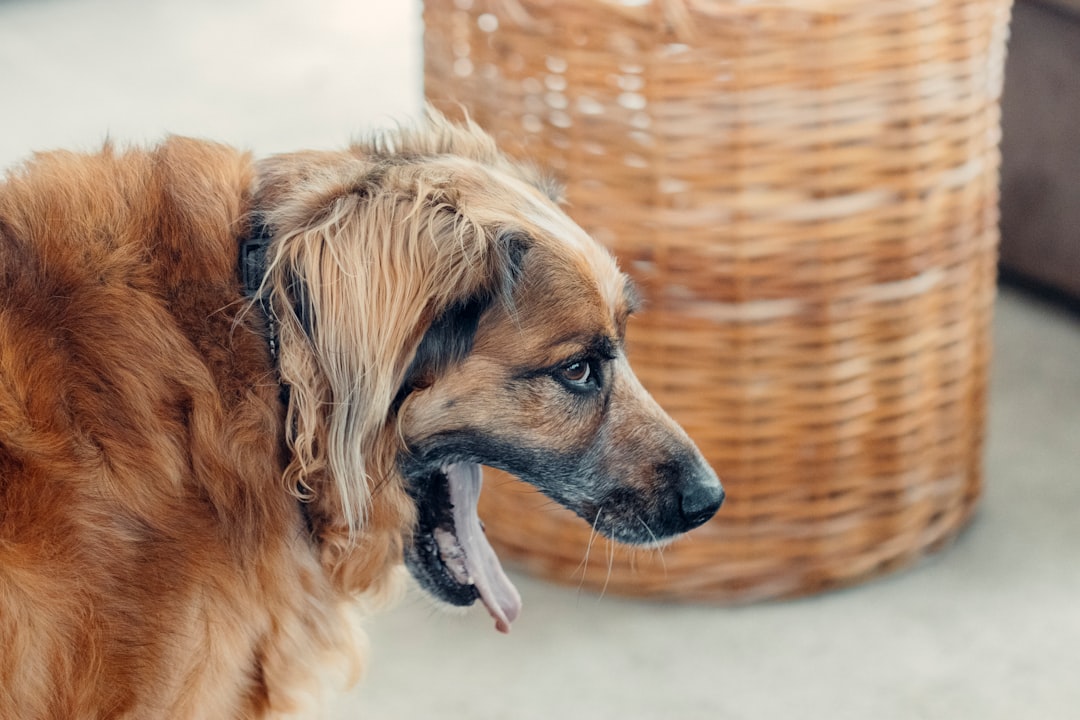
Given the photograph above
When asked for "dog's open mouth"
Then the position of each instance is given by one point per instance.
(450, 555)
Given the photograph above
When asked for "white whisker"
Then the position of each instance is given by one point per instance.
(610, 567)
(583, 566)
(657, 544)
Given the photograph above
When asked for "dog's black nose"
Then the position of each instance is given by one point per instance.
(699, 500)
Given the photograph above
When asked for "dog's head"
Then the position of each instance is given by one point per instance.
(439, 313)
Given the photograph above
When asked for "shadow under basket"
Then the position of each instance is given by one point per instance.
(806, 191)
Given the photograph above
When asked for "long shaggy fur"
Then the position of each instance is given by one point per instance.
(151, 562)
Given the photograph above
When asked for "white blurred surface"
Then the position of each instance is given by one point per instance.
(265, 75)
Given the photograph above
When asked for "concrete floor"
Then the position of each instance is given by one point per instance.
(988, 630)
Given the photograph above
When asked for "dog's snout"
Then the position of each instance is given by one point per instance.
(700, 494)
(692, 492)
(699, 501)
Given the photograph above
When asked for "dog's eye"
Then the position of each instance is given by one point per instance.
(578, 372)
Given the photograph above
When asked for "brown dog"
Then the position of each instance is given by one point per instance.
(196, 482)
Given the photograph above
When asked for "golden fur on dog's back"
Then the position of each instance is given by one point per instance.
(134, 410)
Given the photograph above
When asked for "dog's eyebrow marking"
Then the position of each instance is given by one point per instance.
(586, 345)
(604, 346)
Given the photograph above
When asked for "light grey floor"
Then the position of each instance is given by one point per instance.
(989, 630)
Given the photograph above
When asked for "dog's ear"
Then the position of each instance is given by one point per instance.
(449, 338)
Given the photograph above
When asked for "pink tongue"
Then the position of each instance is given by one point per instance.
(498, 593)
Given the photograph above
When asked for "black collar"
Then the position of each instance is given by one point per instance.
(253, 258)
(252, 262)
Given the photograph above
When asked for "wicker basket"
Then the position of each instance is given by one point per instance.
(807, 192)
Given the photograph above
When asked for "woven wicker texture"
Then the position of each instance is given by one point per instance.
(807, 193)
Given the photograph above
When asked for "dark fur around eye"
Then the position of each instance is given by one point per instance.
(580, 375)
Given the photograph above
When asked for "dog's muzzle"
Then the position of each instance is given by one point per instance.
(678, 495)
